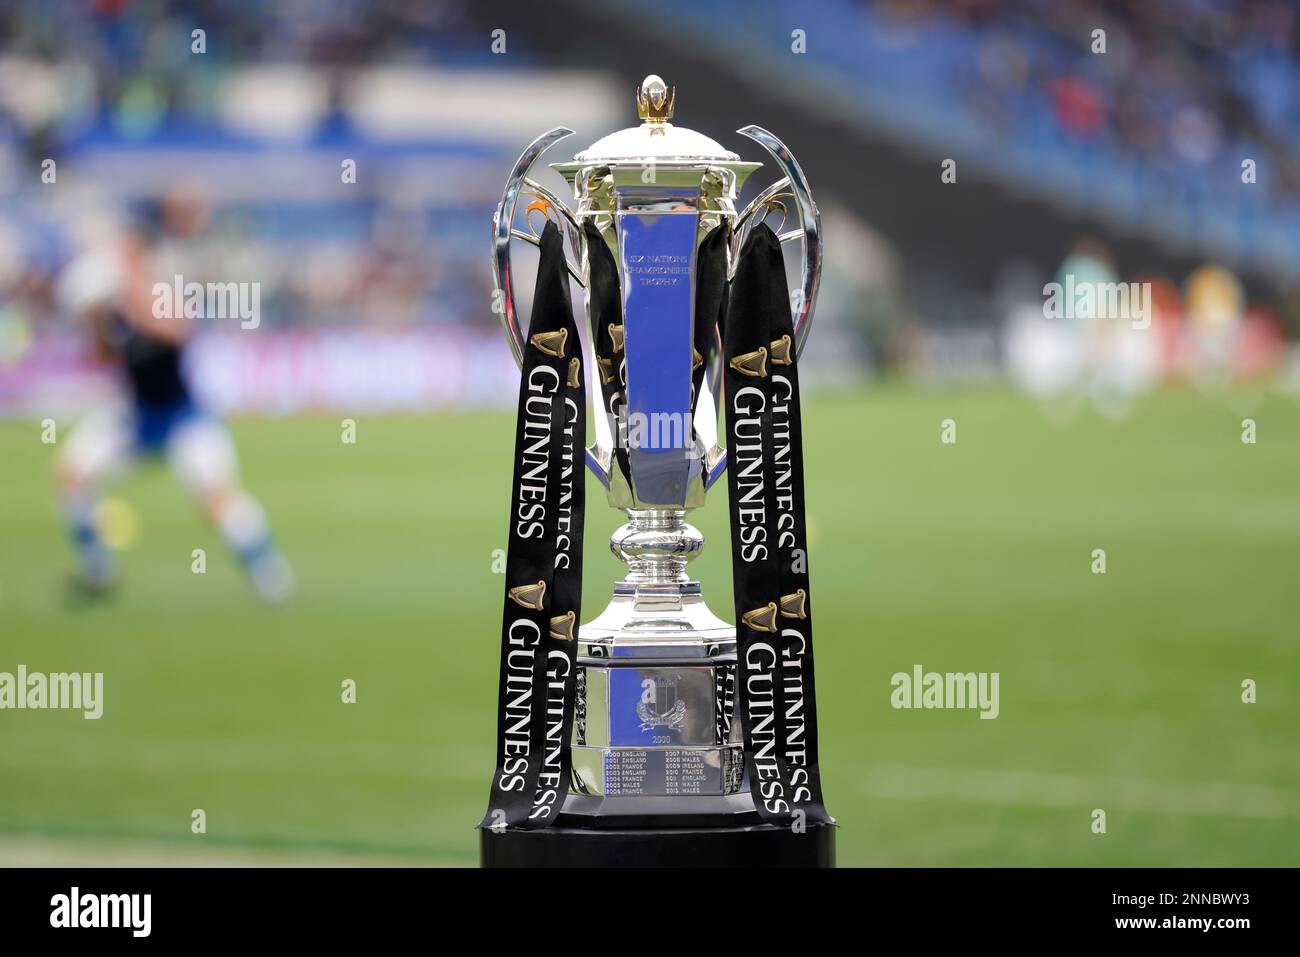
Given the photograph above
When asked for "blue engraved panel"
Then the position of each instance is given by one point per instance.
(661, 706)
(657, 259)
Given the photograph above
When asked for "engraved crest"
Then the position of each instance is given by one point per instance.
(667, 710)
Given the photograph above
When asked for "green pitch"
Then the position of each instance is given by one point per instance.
(1120, 692)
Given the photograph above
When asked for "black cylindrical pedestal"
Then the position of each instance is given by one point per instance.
(759, 845)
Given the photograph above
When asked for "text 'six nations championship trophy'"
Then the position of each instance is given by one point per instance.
(658, 734)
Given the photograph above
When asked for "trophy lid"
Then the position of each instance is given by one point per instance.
(656, 138)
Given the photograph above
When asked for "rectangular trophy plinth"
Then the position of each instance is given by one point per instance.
(655, 730)
(656, 698)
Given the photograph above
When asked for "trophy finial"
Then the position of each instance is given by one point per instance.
(654, 102)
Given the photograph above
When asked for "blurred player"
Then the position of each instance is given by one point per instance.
(1167, 326)
(1087, 343)
(110, 290)
(1215, 304)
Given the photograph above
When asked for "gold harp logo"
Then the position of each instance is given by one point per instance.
(606, 367)
(782, 351)
(562, 626)
(762, 618)
(552, 343)
(529, 596)
(752, 363)
(575, 371)
(795, 606)
(697, 360)
(616, 337)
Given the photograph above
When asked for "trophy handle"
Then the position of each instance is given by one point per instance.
(503, 231)
(519, 185)
(794, 185)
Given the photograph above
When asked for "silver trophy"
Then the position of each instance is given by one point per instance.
(654, 736)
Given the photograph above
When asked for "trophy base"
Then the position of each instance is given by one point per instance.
(752, 846)
(635, 811)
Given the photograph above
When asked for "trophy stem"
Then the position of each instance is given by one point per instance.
(656, 544)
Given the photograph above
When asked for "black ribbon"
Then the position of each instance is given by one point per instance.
(710, 310)
(605, 308)
(769, 544)
(543, 596)
(710, 302)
